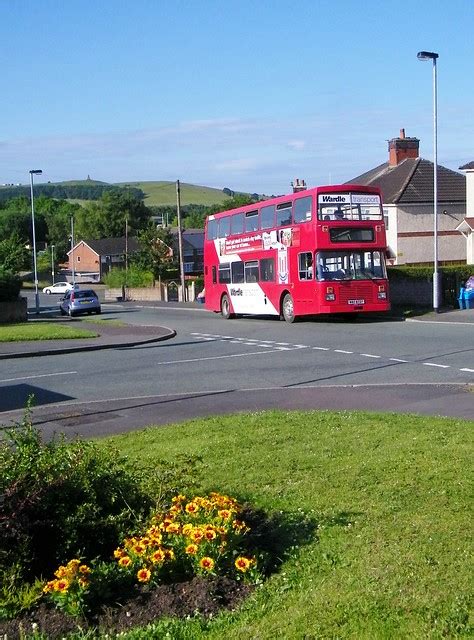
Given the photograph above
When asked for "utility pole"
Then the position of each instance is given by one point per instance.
(126, 247)
(180, 240)
(52, 263)
(72, 252)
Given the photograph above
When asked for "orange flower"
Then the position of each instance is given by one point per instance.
(49, 586)
(207, 563)
(144, 575)
(191, 549)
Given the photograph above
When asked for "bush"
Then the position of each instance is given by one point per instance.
(63, 499)
(10, 286)
(134, 277)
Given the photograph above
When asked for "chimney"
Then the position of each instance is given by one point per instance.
(401, 148)
(298, 185)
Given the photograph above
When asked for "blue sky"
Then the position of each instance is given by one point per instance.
(241, 94)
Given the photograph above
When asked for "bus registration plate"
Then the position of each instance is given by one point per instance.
(356, 302)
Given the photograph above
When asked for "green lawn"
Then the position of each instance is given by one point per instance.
(390, 502)
(41, 331)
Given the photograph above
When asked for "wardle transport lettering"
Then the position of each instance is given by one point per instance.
(329, 199)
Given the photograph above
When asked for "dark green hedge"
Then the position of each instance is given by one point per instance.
(10, 286)
(461, 272)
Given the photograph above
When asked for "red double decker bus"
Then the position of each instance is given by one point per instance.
(317, 251)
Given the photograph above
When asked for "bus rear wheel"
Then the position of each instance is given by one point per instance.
(225, 308)
(288, 309)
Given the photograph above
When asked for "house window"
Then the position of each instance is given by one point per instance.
(385, 218)
(78, 258)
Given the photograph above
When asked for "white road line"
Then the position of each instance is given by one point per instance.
(301, 346)
(234, 355)
(468, 370)
(42, 375)
(369, 355)
(433, 364)
(321, 348)
(398, 360)
(285, 344)
(342, 351)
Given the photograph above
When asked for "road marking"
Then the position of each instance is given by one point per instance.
(468, 370)
(433, 364)
(234, 355)
(398, 360)
(369, 355)
(321, 348)
(342, 351)
(42, 375)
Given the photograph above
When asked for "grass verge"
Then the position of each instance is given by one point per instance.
(391, 500)
(41, 331)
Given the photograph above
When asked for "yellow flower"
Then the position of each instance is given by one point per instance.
(179, 498)
(158, 556)
(192, 507)
(225, 514)
(61, 572)
(119, 553)
(144, 575)
(61, 585)
(196, 534)
(206, 563)
(84, 569)
(73, 564)
(243, 564)
(186, 530)
(191, 549)
(83, 582)
(124, 561)
(139, 548)
(49, 586)
(173, 527)
(210, 534)
(169, 554)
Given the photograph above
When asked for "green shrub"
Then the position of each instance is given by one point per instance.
(10, 285)
(63, 499)
(134, 277)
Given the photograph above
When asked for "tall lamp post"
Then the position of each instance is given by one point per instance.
(35, 172)
(72, 252)
(431, 55)
(52, 263)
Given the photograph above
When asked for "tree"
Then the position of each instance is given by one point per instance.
(106, 218)
(156, 254)
(13, 254)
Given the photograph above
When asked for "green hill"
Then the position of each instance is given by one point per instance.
(163, 193)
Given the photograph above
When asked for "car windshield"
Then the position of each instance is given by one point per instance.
(87, 293)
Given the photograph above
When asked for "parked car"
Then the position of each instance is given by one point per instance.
(59, 287)
(77, 301)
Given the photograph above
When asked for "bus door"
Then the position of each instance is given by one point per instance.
(305, 283)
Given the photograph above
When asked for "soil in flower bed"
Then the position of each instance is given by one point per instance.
(206, 596)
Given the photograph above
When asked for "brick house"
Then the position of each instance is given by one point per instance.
(406, 181)
(466, 227)
(97, 257)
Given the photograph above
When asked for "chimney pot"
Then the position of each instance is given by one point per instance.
(402, 133)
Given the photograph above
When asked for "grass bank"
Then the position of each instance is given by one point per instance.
(41, 331)
(390, 499)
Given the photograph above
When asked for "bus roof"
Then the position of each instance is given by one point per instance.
(333, 188)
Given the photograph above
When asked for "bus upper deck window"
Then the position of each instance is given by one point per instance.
(251, 221)
(224, 227)
(267, 217)
(283, 214)
(212, 230)
(302, 209)
(237, 224)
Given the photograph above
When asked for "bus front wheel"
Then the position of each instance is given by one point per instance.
(225, 308)
(288, 309)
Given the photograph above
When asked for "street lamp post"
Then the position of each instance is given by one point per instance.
(72, 252)
(36, 172)
(431, 55)
(52, 263)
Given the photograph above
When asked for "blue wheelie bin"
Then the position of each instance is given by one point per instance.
(466, 295)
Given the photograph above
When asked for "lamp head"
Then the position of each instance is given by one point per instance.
(36, 172)
(427, 55)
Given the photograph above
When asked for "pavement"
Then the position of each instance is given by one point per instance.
(112, 335)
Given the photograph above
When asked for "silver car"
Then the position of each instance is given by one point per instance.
(79, 301)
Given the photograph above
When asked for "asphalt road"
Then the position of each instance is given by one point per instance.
(214, 366)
